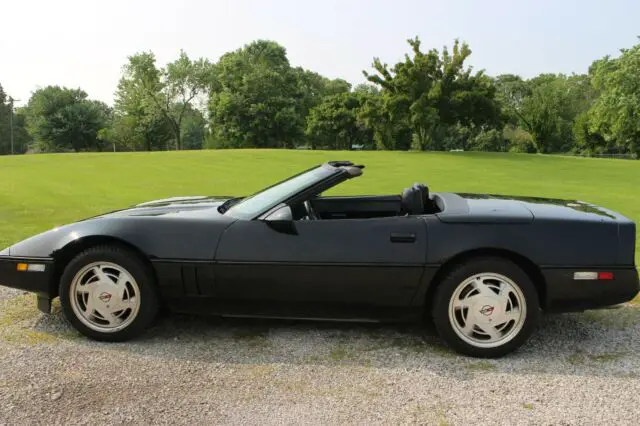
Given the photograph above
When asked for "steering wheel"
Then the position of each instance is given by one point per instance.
(311, 214)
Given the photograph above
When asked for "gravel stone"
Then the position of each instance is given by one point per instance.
(8, 293)
(577, 369)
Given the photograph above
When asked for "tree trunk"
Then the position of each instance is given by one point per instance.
(176, 132)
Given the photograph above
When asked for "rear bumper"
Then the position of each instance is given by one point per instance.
(39, 282)
(565, 294)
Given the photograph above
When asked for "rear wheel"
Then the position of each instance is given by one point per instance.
(107, 293)
(486, 307)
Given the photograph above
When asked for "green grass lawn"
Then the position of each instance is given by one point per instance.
(38, 192)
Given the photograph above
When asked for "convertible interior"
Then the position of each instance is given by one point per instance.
(415, 200)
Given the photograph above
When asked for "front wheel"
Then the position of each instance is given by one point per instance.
(107, 293)
(486, 307)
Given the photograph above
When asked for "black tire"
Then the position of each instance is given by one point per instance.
(456, 276)
(136, 267)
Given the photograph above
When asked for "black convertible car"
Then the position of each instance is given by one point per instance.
(482, 266)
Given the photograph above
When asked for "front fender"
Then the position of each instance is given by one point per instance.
(48, 243)
(156, 238)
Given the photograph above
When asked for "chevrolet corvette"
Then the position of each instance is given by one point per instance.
(483, 268)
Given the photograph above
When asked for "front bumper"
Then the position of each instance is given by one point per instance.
(565, 294)
(39, 282)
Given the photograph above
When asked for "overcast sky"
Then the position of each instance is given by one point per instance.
(84, 43)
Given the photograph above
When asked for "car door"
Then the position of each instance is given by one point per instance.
(352, 268)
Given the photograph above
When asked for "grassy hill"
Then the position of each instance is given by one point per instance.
(41, 191)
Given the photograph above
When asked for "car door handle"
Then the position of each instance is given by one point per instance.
(399, 237)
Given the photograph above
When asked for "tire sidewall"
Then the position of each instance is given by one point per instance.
(459, 274)
(138, 270)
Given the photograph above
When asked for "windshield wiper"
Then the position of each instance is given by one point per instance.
(227, 204)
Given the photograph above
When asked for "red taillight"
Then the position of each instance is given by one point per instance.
(605, 275)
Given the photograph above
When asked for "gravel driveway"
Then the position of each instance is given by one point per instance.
(578, 369)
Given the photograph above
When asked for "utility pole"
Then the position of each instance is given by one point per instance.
(11, 101)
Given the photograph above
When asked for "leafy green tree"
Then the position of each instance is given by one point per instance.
(8, 120)
(386, 116)
(615, 114)
(489, 140)
(62, 119)
(430, 90)
(256, 100)
(135, 133)
(5, 119)
(21, 138)
(334, 123)
(137, 123)
(367, 89)
(193, 128)
(588, 141)
(312, 88)
(518, 139)
(156, 91)
(511, 91)
(335, 87)
(544, 113)
(546, 106)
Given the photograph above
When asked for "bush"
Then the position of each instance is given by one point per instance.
(518, 140)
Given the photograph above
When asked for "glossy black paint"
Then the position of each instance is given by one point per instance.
(35, 282)
(346, 264)
(362, 260)
(570, 295)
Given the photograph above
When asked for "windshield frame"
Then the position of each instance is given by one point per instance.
(286, 198)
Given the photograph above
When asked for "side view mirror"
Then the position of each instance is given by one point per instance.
(281, 220)
(282, 213)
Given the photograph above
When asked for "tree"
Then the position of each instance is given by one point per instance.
(62, 119)
(367, 89)
(137, 123)
(545, 106)
(135, 133)
(334, 123)
(587, 141)
(543, 115)
(614, 115)
(335, 87)
(11, 123)
(386, 116)
(511, 91)
(430, 90)
(312, 88)
(256, 100)
(193, 128)
(158, 90)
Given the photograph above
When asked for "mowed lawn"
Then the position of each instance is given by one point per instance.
(38, 192)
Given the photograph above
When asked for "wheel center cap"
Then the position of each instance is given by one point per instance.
(105, 297)
(487, 310)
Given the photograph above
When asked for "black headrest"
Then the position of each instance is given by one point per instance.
(424, 190)
(412, 201)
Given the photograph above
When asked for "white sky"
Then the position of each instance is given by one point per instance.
(84, 43)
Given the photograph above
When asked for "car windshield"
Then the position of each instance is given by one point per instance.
(250, 207)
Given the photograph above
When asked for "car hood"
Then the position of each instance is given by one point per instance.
(187, 213)
(175, 206)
